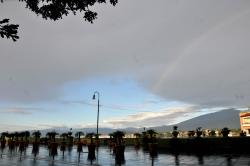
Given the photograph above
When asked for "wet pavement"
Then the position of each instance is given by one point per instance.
(105, 157)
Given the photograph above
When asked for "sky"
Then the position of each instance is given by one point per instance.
(153, 63)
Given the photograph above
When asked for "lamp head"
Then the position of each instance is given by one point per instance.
(93, 97)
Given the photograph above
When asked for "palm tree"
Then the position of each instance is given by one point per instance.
(70, 138)
(212, 133)
(90, 135)
(53, 145)
(91, 146)
(137, 135)
(63, 143)
(11, 136)
(97, 139)
(79, 144)
(26, 135)
(48, 134)
(3, 141)
(152, 144)
(145, 140)
(21, 135)
(175, 131)
(69, 133)
(35, 149)
(111, 135)
(21, 143)
(120, 147)
(37, 135)
(191, 133)
(225, 131)
(78, 135)
(16, 135)
(11, 141)
(151, 134)
(118, 136)
(4, 134)
(64, 135)
(243, 133)
(111, 140)
(137, 142)
(52, 135)
(199, 131)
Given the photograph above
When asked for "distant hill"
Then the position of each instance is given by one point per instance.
(224, 118)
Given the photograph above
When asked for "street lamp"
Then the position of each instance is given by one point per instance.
(98, 105)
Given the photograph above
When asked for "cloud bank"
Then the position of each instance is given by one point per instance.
(20, 110)
(149, 119)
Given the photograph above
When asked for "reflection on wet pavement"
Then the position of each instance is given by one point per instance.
(105, 157)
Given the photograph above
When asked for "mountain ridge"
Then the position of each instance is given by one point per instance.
(216, 120)
(224, 118)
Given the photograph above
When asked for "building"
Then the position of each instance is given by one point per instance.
(245, 122)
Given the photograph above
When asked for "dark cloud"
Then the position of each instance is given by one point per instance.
(189, 51)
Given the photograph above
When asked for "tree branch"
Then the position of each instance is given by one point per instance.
(8, 30)
(54, 10)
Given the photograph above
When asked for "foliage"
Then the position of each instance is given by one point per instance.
(8, 30)
(69, 133)
(243, 133)
(225, 131)
(90, 135)
(37, 135)
(26, 135)
(175, 128)
(199, 131)
(175, 132)
(118, 136)
(64, 135)
(212, 133)
(137, 135)
(52, 135)
(11, 136)
(3, 135)
(191, 133)
(79, 134)
(151, 133)
(54, 10)
(144, 134)
(111, 135)
(21, 135)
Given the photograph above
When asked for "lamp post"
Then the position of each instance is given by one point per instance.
(98, 105)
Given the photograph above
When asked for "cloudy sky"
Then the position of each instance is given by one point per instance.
(153, 62)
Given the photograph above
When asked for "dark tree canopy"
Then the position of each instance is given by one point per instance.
(8, 30)
(54, 10)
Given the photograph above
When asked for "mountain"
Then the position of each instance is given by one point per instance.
(225, 118)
